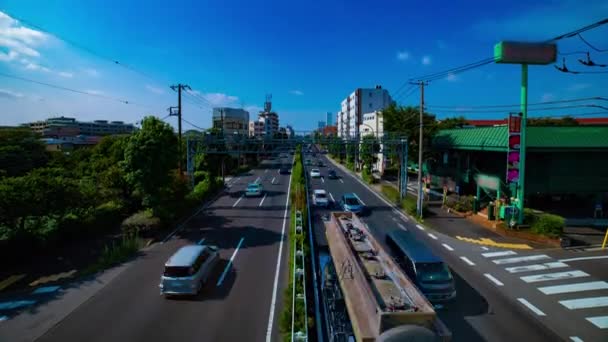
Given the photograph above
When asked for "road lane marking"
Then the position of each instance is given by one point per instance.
(585, 258)
(469, 262)
(498, 254)
(531, 307)
(323, 179)
(341, 181)
(257, 180)
(221, 280)
(432, 236)
(16, 304)
(536, 267)
(262, 201)
(402, 226)
(332, 197)
(53, 277)
(576, 339)
(419, 227)
(394, 219)
(579, 287)
(520, 259)
(599, 321)
(237, 201)
(275, 287)
(492, 243)
(266, 171)
(200, 242)
(554, 276)
(359, 199)
(11, 280)
(448, 247)
(585, 303)
(492, 279)
(46, 289)
(485, 248)
(272, 181)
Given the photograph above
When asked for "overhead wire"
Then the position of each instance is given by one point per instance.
(591, 46)
(530, 109)
(595, 98)
(193, 125)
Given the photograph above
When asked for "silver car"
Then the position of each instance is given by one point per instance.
(188, 269)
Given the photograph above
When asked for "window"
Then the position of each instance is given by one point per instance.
(200, 260)
(370, 105)
(177, 271)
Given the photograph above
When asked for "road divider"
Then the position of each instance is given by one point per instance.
(221, 279)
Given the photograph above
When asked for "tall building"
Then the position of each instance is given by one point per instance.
(231, 120)
(373, 124)
(256, 129)
(269, 118)
(62, 126)
(290, 131)
(362, 100)
(321, 124)
(328, 119)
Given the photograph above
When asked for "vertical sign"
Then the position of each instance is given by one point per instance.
(513, 154)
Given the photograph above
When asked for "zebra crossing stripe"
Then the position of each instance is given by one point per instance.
(520, 259)
(554, 276)
(599, 321)
(578, 287)
(498, 254)
(536, 267)
(585, 303)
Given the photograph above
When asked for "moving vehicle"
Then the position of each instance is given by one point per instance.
(315, 173)
(331, 174)
(351, 203)
(319, 163)
(319, 198)
(308, 162)
(187, 269)
(284, 170)
(428, 271)
(254, 189)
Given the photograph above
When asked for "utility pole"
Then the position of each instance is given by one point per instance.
(420, 200)
(179, 87)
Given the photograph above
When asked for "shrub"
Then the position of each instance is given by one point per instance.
(462, 204)
(367, 176)
(141, 221)
(530, 216)
(116, 253)
(350, 165)
(391, 193)
(409, 205)
(548, 224)
(109, 215)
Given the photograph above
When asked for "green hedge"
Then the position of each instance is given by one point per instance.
(368, 177)
(408, 203)
(141, 221)
(391, 193)
(462, 204)
(548, 224)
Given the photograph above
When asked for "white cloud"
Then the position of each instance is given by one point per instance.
(9, 94)
(18, 40)
(36, 67)
(426, 60)
(403, 55)
(91, 72)
(8, 56)
(546, 97)
(296, 92)
(65, 74)
(452, 77)
(220, 100)
(579, 86)
(94, 92)
(154, 89)
(253, 110)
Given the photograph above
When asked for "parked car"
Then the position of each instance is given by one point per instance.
(351, 203)
(315, 173)
(331, 174)
(254, 189)
(187, 269)
(284, 170)
(319, 198)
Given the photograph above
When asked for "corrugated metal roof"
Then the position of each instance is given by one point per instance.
(495, 138)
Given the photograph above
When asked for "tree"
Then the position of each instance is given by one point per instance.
(565, 121)
(20, 151)
(454, 122)
(369, 148)
(150, 155)
(405, 122)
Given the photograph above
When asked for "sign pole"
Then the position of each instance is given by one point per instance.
(522, 161)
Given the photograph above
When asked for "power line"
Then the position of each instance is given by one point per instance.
(198, 96)
(596, 98)
(570, 115)
(581, 30)
(531, 109)
(193, 125)
(409, 93)
(196, 101)
(591, 46)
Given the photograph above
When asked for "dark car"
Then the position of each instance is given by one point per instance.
(320, 163)
(284, 170)
(331, 174)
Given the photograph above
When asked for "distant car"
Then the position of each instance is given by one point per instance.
(254, 189)
(331, 174)
(308, 162)
(283, 155)
(187, 269)
(284, 170)
(315, 173)
(351, 203)
(319, 163)
(319, 198)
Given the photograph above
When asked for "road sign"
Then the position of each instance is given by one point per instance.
(513, 155)
(488, 182)
(525, 53)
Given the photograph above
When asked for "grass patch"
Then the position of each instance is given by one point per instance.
(391, 193)
(116, 253)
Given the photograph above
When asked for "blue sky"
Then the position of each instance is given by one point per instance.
(309, 55)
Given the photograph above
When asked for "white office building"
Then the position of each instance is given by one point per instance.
(360, 101)
(256, 129)
(373, 124)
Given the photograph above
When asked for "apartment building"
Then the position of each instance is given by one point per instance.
(360, 101)
(231, 120)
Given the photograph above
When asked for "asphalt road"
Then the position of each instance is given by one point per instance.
(235, 307)
(480, 311)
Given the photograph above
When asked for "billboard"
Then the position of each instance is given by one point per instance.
(513, 153)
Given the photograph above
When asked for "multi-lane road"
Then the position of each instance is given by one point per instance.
(241, 302)
(494, 302)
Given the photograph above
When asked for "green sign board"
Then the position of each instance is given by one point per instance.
(488, 182)
(525, 53)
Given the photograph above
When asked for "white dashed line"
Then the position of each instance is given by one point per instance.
(419, 227)
(221, 280)
(469, 262)
(585, 303)
(402, 226)
(599, 321)
(492, 279)
(341, 181)
(262, 201)
(531, 307)
(432, 236)
(448, 247)
(237, 201)
(485, 248)
(200, 242)
(332, 197)
(323, 179)
(272, 181)
(576, 339)
(498, 254)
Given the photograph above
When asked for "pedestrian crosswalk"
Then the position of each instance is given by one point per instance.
(573, 289)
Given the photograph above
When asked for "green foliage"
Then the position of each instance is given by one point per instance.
(409, 205)
(391, 193)
(454, 122)
(367, 176)
(565, 121)
(150, 155)
(462, 204)
(405, 121)
(142, 221)
(369, 148)
(20, 152)
(548, 224)
(116, 253)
